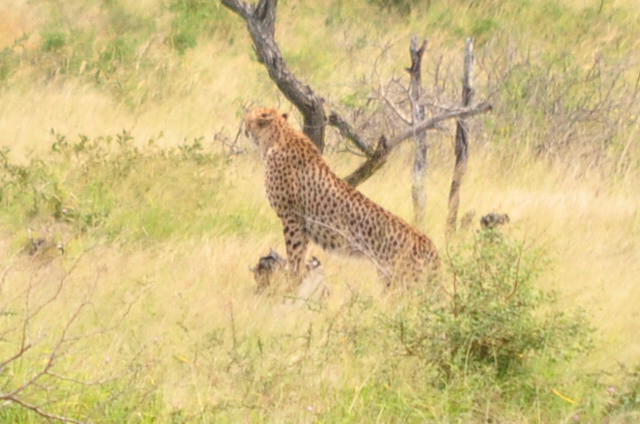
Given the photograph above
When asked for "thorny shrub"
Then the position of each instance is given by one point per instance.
(491, 318)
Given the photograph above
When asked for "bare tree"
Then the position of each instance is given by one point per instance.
(260, 20)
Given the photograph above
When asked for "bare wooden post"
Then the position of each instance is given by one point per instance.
(462, 140)
(418, 192)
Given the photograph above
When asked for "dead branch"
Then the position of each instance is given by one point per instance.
(394, 108)
(260, 21)
(371, 165)
(15, 395)
(431, 123)
(40, 411)
(375, 162)
(347, 131)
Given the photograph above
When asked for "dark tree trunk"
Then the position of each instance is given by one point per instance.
(418, 192)
(260, 21)
(462, 140)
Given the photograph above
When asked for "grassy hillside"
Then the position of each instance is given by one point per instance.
(131, 209)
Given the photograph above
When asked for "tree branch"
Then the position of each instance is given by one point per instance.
(260, 20)
(431, 123)
(38, 410)
(346, 130)
(23, 349)
(27, 393)
(241, 8)
(374, 163)
(382, 95)
(371, 165)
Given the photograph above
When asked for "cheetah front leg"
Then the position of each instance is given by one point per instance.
(296, 242)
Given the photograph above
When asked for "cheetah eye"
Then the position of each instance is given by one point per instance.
(285, 116)
(264, 115)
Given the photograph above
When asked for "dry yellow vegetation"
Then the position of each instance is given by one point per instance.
(175, 312)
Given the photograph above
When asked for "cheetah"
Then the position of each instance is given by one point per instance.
(314, 204)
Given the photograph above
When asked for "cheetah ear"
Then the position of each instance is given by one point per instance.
(264, 119)
(285, 116)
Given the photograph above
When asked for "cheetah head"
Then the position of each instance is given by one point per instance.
(261, 126)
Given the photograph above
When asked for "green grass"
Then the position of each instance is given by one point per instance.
(107, 188)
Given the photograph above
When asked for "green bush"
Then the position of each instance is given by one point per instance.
(491, 318)
(192, 17)
(113, 187)
(53, 40)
